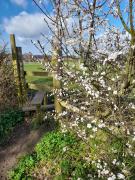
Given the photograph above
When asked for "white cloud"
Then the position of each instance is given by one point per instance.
(22, 3)
(26, 25)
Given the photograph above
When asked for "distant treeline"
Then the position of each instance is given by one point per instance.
(29, 57)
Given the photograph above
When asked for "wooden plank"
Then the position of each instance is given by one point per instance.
(16, 67)
(75, 109)
(36, 73)
(70, 107)
(38, 98)
(42, 87)
(33, 108)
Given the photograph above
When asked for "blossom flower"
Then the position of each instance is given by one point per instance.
(114, 161)
(101, 125)
(109, 88)
(115, 92)
(105, 171)
(40, 2)
(65, 149)
(133, 46)
(89, 126)
(94, 129)
(103, 73)
(113, 177)
(91, 136)
(120, 176)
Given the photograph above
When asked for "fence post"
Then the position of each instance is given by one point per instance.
(16, 67)
(22, 73)
(57, 85)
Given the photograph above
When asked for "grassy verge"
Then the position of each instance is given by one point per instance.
(62, 156)
(55, 156)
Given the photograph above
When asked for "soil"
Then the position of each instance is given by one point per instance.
(21, 142)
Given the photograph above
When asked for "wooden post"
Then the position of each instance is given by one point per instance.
(22, 73)
(16, 67)
(57, 85)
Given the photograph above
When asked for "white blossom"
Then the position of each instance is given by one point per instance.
(115, 92)
(120, 176)
(94, 129)
(113, 177)
(65, 149)
(89, 126)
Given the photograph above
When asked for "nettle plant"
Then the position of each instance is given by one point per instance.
(95, 63)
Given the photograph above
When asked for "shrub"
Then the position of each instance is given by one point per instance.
(8, 93)
(8, 119)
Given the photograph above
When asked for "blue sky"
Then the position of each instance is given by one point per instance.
(11, 8)
(24, 19)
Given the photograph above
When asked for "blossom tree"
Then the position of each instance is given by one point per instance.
(90, 56)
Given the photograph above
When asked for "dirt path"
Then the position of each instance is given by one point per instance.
(22, 141)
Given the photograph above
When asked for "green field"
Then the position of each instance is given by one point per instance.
(45, 80)
(31, 67)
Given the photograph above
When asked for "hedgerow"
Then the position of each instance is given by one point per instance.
(8, 90)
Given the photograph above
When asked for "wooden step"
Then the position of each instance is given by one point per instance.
(38, 98)
(43, 87)
(33, 108)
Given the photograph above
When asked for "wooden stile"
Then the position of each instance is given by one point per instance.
(16, 67)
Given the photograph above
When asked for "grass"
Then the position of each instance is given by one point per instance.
(62, 156)
(39, 80)
(58, 155)
(30, 67)
(33, 67)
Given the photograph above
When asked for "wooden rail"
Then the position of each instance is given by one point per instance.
(33, 108)
(42, 87)
(74, 109)
(36, 73)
